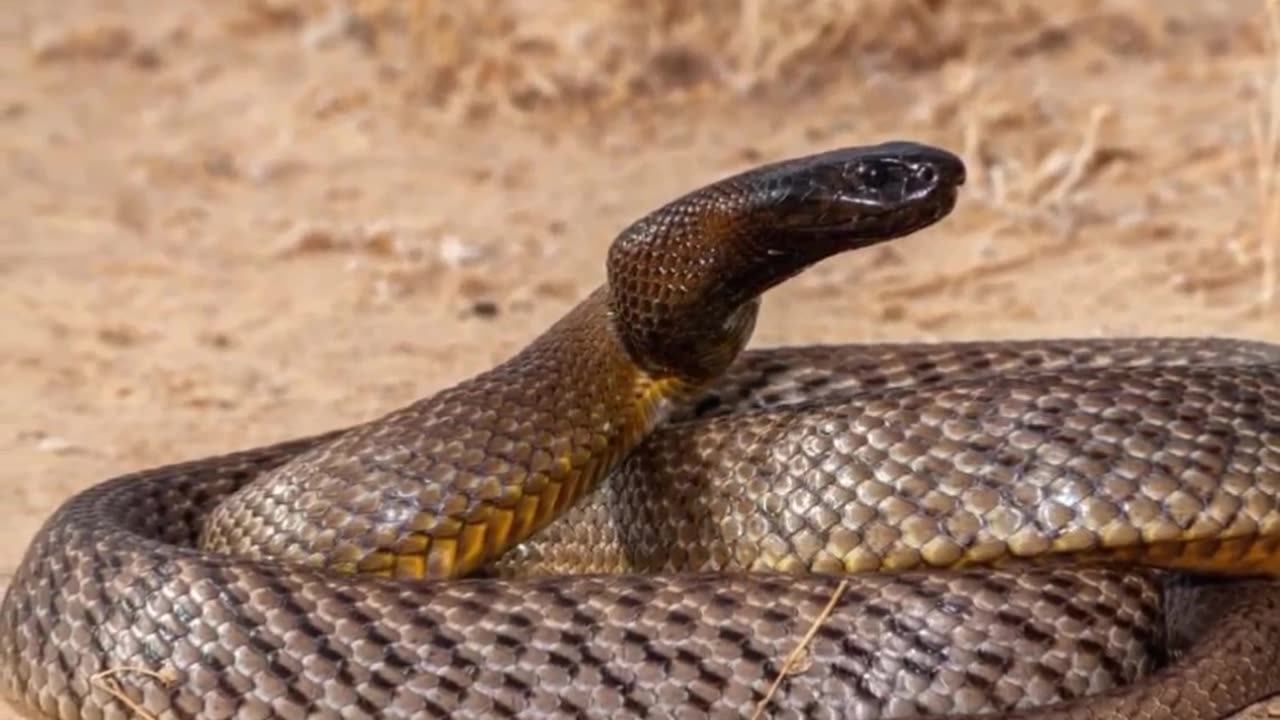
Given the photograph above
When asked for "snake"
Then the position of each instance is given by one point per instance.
(638, 516)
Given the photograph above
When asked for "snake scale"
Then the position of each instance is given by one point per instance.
(634, 517)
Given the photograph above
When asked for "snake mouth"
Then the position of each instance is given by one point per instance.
(881, 220)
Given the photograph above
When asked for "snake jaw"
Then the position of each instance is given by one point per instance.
(888, 225)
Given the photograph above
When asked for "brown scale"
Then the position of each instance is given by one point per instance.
(443, 486)
(795, 451)
(1170, 466)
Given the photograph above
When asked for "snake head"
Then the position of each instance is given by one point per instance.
(863, 194)
(685, 280)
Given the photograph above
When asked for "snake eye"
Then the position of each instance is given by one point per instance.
(872, 175)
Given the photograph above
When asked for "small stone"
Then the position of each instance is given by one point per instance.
(312, 240)
(104, 42)
(56, 445)
(147, 59)
(484, 308)
(218, 340)
(121, 335)
(456, 252)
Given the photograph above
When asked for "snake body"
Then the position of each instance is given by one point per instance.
(634, 436)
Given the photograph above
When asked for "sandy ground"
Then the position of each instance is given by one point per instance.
(225, 227)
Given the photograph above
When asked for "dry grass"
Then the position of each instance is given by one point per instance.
(1041, 162)
(563, 57)
(1169, 212)
(503, 55)
(109, 681)
(1265, 128)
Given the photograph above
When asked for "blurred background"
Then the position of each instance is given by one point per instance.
(227, 223)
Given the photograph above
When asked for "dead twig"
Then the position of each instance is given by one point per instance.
(108, 681)
(794, 657)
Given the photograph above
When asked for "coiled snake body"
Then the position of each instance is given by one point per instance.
(633, 437)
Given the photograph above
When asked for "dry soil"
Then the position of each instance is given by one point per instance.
(226, 224)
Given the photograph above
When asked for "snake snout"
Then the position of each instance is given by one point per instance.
(898, 175)
(943, 165)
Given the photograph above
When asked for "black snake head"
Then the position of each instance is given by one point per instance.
(867, 193)
(684, 279)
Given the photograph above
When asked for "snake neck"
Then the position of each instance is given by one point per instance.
(446, 484)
